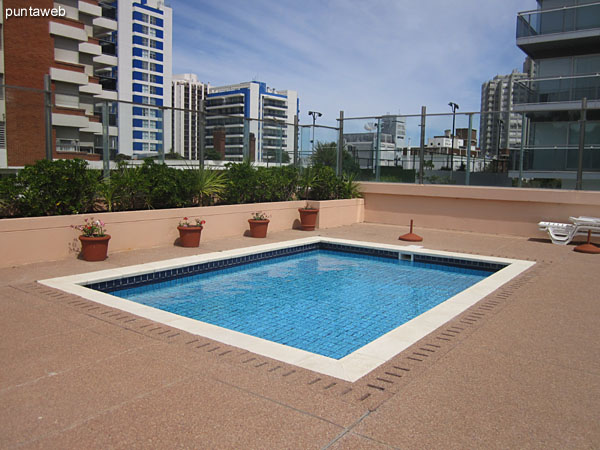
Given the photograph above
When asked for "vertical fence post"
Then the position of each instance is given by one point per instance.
(161, 153)
(48, 115)
(202, 133)
(340, 147)
(468, 168)
(295, 139)
(105, 140)
(422, 148)
(522, 148)
(378, 152)
(246, 138)
(280, 152)
(582, 119)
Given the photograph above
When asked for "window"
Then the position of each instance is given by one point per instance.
(155, 44)
(155, 90)
(155, 21)
(155, 55)
(145, 89)
(155, 79)
(152, 32)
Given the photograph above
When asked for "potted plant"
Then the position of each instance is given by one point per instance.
(308, 214)
(259, 224)
(189, 233)
(94, 240)
(308, 217)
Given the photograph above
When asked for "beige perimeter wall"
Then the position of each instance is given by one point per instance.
(28, 240)
(478, 209)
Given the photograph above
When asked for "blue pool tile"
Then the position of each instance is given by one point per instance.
(325, 301)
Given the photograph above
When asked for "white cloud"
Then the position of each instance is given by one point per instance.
(364, 57)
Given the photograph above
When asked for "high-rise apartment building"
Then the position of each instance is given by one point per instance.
(188, 115)
(251, 112)
(144, 43)
(500, 126)
(562, 38)
(395, 126)
(72, 46)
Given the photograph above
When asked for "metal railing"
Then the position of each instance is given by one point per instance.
(489, 148)
(559, 20)
(558, 89)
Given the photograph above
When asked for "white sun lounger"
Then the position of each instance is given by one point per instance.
(563, 233)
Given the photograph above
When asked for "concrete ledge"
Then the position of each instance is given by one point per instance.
(38, 239)
(475, 209)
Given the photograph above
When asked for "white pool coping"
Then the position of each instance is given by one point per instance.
(351, 367)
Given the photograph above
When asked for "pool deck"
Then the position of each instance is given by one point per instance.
(520, 369)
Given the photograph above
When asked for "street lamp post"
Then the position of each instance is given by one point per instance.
(314, 115)
(454, 107)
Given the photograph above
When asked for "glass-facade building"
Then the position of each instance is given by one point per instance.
(562, 37)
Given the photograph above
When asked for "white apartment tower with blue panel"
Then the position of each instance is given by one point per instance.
(252, 108)
(144, 76)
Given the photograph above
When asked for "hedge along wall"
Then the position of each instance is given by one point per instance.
(38, 239)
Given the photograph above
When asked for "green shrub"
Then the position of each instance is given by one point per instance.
(50, 188)
(68, 187)
(240, 183)
(163, 185)
(276, 184)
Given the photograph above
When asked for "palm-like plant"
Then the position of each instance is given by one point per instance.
(207, 184)
(108, 193)
(308, 179)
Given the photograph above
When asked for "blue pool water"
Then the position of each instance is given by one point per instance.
(323, 301)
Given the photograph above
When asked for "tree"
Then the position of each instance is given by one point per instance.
(212, 154)
(326, 155)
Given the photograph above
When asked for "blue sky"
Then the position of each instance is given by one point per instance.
(367, 57)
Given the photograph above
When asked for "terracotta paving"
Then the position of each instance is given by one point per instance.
(520, 369)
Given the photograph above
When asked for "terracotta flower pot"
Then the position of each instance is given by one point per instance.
(189, 236)
(94, 248)
(308, 218)
(258, 228)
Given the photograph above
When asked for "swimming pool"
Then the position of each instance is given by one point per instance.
(334, 306)
(323, 301)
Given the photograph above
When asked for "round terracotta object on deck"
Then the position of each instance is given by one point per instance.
(588, 247)
(410, 237)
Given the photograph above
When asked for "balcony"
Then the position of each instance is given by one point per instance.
(68, 31)
(89, 9)
(561, 92)
(104, 24)
(559, 32)
(105, 60)
(108, 83)
(543, 159)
